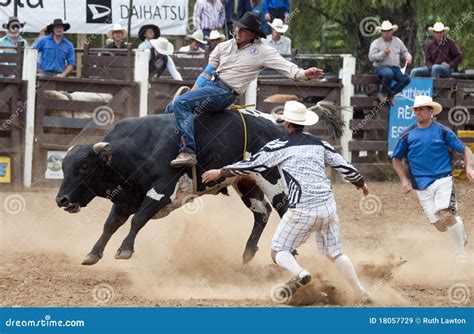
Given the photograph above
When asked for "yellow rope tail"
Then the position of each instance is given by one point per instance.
(237, 108)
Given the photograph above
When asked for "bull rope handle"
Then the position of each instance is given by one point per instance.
(237, 107)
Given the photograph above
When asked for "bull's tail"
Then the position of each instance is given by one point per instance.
(330, 113)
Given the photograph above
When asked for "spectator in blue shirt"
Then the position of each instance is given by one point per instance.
(427, 147)
(279, 9)
(12, 37)
(257, 10)
(57, 56)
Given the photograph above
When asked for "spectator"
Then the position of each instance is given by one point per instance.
(258, 11)
(208, 15)
(229, 7)
(276, 9)
(161, 60)
(146, 33)
(385, 53)
(194, 47)
(214, 39)
(57, 56)
(276, 40)
(117, 34)
(12, 37)
(243, 7)
(442, 55)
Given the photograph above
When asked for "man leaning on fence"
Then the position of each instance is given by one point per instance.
(233, 65)
(385, 53)
(57, 56)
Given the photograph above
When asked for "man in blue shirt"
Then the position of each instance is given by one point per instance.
(279, 9)
(427, 147)
(57, 52)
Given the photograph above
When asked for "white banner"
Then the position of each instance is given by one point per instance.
(97, 16)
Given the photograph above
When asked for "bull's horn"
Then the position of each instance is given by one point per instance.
(70, 148)
(101, 147)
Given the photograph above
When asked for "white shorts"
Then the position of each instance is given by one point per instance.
(297, 225)
(438, 196)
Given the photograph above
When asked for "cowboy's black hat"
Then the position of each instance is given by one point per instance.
(58, 22)
(141, 32)
(249, 21)
(13, 20)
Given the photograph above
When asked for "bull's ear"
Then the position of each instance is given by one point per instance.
(101, 147)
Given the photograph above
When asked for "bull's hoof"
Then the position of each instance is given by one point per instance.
(91, 259)
(123, 254)
(249, 254)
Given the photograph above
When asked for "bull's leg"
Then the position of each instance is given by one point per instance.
(254, 199)
(115, 219)
(147, 210)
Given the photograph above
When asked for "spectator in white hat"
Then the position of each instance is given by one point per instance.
(194, 49)
(117, 34)
(442, 55)
(161, 60)
(276, 40)
(214, 39)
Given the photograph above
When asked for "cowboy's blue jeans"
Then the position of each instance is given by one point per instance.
(387, 74)
(188, 106)
(437, 71)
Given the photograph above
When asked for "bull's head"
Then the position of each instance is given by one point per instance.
(83, 167)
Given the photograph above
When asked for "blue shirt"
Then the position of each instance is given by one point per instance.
(7, 41)
(270, 4)
(55, 56)
(257, 10)
(428, 152)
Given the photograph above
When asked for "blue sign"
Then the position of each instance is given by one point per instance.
(400, 116)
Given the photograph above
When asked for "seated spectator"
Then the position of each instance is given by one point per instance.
(56, 52)
(117, 34)
(195, 42)
(442, 55)
(214, 39)
(385, 53)
(161, 60)
(146, 33)
(12, 37)
(276, 9)
(276, 40)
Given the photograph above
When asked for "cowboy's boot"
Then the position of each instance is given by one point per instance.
(184, 159)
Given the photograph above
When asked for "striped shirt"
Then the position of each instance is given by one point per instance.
(208, 14)
(301, 159)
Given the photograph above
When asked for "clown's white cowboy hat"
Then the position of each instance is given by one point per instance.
(278, 26)
(297, 113)
(198, 35)
(386, 26)
(216, 35)
(438, 27)
(426, 101)
(163, 46)
(116, 27)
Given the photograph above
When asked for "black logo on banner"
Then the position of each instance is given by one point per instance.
(99, 11)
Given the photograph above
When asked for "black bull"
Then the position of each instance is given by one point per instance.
(131, 167)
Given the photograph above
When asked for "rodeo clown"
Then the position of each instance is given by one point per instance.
(301, 159)
(427, 147)
(233, 65)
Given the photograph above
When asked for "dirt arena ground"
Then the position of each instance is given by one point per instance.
(193, 257)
